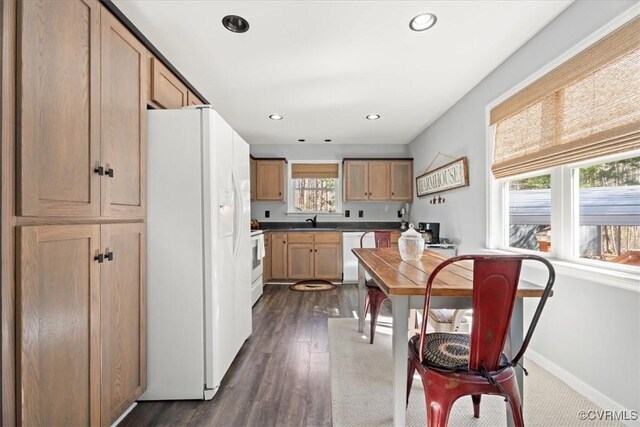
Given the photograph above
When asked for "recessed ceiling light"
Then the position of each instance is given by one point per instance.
(235, 24)
(327, 140)
(301, 140)
(276, 117)
(422, 22)
(373, 116)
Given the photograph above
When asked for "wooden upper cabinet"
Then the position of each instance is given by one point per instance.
(379, 180)
(167, 91)
(402, 180)
(356, 180)
(252, 178)
(58, 326)
(123, 312)
(279, 255)
(124, 120)
(58, 108)
(192, 99)
(270, 180)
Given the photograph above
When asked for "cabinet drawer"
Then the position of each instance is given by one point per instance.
(327, 237)
(301, 237)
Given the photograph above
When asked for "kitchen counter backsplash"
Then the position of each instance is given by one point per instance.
(341, 225)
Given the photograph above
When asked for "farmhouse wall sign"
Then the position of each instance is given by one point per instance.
(452, 175)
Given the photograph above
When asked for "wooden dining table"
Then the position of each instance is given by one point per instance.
(404, 283)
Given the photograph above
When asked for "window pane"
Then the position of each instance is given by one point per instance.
(609, 203)
(530, 213)
(315, 194)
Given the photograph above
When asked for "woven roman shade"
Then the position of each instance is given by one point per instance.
(314, 170)
(587, 107)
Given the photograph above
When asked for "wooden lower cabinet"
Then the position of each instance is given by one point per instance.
(300, 260)
(58, 326)
(279, 256)
(266, 261)
(81, 328)
(123, 313)
(305, 255)
(328, 261)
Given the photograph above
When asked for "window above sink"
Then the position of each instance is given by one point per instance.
(315, 187)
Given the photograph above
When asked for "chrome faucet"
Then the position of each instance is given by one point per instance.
(313, 221)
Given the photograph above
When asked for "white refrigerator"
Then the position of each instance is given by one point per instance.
(199, 254)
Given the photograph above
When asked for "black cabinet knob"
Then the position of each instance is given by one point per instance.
(99, 258)
(109, 172)
(99, 170)
(109, 256)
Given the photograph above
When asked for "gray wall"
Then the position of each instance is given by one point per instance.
(588, 330)
(373, 211)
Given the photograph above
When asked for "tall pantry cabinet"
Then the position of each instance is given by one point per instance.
(80, 205)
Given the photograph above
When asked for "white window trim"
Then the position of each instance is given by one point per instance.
(564, 210)
(290, 190)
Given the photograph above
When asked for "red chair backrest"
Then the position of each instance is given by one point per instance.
(495, 285)
(382, 239)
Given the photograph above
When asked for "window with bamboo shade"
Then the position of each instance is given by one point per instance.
(566, 150)
(587, 107)
(314, 187)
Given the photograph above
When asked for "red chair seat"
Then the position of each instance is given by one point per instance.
(448, 351)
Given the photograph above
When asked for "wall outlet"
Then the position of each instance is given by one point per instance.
(267, 214)
(399, 213)
(360, 214)
(347, 213)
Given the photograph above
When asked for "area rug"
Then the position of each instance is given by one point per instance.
(312, 285)
(362, 389)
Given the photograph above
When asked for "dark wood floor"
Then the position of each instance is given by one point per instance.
(281, 375)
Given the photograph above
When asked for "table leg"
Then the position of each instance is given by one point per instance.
(362, 292)
(516, 337)
(400, 308)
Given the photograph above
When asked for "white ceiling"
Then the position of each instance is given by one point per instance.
(324, 65)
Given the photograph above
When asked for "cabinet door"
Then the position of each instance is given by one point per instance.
(379, 180)
(328, 261)
(58, 326)
(300, 262)
(266, 261)
(270, 180)
(58, 111)
(356, 179)
(252, 177)
(192, 99)
(124, 121)
(123, 308)
(402, 180)
(167, 91)
(279, 255)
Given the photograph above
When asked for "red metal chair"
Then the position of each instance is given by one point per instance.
(455, 365)
(375, 296)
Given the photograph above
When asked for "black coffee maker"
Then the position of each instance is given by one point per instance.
(430, 232)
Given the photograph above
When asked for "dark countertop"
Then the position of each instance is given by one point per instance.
(330, 226)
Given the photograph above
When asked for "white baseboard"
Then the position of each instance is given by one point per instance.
(580, 386)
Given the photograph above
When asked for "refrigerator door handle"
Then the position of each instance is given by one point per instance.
(238, 227)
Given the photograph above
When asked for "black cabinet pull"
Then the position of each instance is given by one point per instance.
(316, 250)
(99, 258)
(109, 172)
(310, 250)
(99, 170)
(109, 256)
